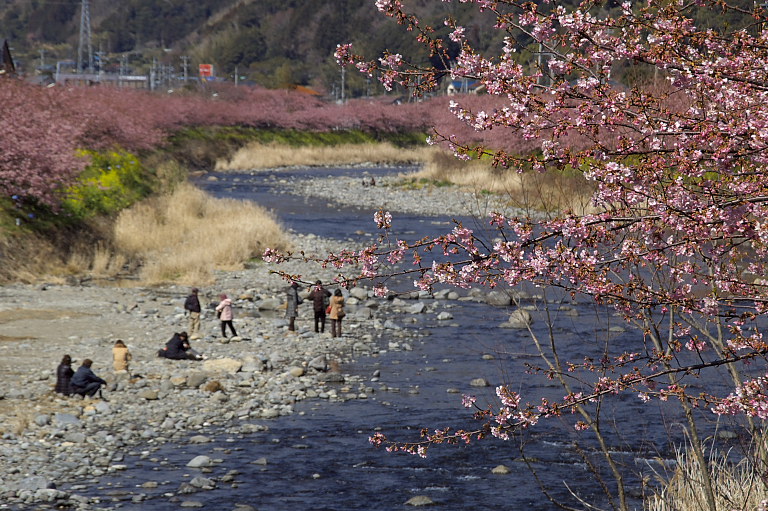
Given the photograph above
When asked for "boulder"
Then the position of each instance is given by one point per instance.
(222, 365)
(64, 419)
(419, 500)
(499, 298)
(518, 319)
(359, 293)
(319, 363)
(199, 462)
(296, 371)
(479, 382)
(149, 394)
(417, 308)
(194, 380)
(269, 304)
(33, 483)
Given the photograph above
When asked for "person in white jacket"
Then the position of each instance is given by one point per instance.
(224, 311)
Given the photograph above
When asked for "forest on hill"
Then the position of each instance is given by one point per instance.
(273, 43)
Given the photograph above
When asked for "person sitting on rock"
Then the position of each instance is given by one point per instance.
(120, 357)
(64, 376)
(85, 382)
(178, 348)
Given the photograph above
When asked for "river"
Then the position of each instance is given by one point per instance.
(320, 459)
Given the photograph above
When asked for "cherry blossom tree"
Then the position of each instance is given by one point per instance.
(678, 236)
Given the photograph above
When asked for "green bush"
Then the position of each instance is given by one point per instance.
(113, 180)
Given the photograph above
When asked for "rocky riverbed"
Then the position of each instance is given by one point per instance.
(50, 441)
(393, 193)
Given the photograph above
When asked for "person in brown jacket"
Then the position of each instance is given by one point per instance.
(120, 357)
(337, 312)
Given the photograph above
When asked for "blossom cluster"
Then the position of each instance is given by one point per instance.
(676, 234)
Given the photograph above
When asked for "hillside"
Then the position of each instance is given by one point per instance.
(274, 43)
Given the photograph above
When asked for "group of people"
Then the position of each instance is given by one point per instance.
(84, 381)
(324, 304)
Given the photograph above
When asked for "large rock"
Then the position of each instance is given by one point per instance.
(359, 293)
(149, 394)
(269, 304)
(419, 500)
(518, 319)
(417, 308)
(223, 365)
(319, 363)
(499, 298)
(64, 419)
(33, 483)
(194, 380)
(501, 470)
(199, 462)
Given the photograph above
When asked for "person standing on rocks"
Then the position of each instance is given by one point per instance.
(224, 310)
(192, 305)
(319, 296)
(120, 357)
(337, 312)
(292, 305)
(64, 376)
(178, 348)
(85, 382)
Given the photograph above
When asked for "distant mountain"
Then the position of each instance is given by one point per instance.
(275, 43)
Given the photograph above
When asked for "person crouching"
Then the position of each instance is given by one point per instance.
(85, 382)
(178, 348)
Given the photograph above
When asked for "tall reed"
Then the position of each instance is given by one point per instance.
(261, 156)
(737, 486)
(551, 191)
(182, 237)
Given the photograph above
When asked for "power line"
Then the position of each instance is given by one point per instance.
(85, 38)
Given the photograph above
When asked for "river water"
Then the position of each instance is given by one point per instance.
(320, 458)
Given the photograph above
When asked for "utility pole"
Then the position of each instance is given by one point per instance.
(85, 38)
(343, 79)
(185, 66)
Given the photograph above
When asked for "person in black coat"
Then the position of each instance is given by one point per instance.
(192, 305)
(64, 376)
(177, 348)
(85, 382)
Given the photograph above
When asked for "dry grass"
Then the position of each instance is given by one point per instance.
(551, 191)
(262, 156)
(183, 236)
(736, 485)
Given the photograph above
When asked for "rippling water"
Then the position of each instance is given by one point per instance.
(320, 458)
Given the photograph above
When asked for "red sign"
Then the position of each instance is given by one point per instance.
(206, 70)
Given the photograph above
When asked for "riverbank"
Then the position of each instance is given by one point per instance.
(55, 448)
